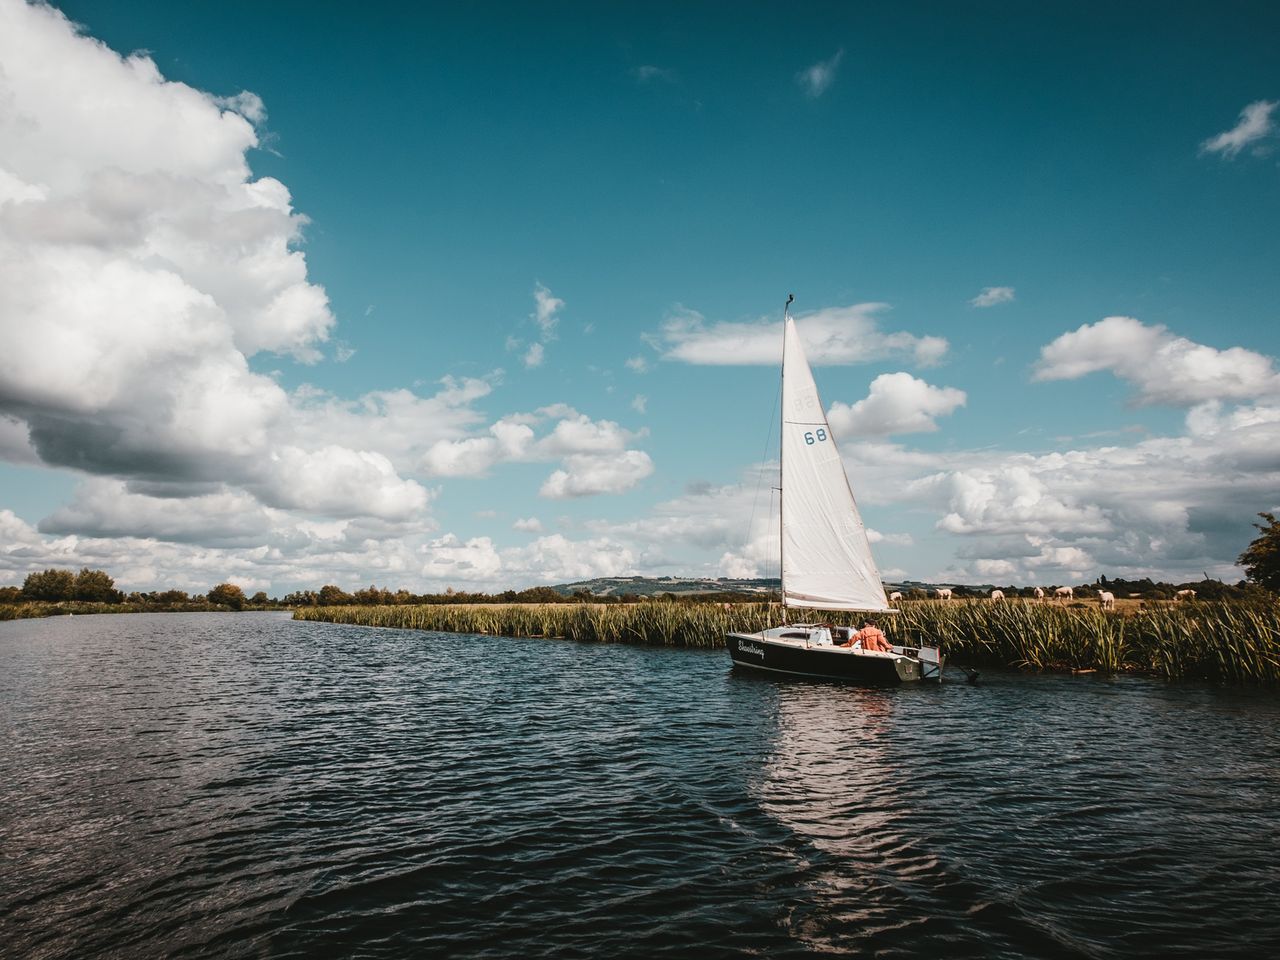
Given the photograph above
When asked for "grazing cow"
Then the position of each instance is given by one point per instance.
(896, 595)
(1185, 595)
(997, 594)
(1039, 593)
(1107, 599)
(1064, 593)
(943, 593)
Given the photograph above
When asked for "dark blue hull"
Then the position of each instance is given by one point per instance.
(832, 663)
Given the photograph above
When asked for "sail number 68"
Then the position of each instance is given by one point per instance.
(815, 436)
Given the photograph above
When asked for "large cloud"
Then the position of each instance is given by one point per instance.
(103, 507)
(1167, 506)
(1164, 367)
(837, 335)
(896, 403)
(141, 266)
(277, 552)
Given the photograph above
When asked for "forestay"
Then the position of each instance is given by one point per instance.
(826, 558)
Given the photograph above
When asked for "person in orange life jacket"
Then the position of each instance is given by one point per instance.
(871, 638)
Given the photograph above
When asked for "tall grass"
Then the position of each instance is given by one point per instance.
(1224, 642)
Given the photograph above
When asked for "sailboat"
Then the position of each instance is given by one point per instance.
(826, 557)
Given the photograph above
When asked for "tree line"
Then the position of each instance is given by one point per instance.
(97, 586)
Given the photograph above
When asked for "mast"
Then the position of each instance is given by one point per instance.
(782, 420)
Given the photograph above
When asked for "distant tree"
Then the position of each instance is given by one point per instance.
(96, 587)
(10, 594)
(170, 597)
(260, 599)
(1261, 561)
(1207, 589)
(331, 596)
(539, 595)
(372, 596)
(53, 585)
(227, 595)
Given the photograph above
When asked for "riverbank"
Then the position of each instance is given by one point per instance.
(1218, 642)
(39, 608)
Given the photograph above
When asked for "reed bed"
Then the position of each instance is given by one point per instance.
(1220, 642)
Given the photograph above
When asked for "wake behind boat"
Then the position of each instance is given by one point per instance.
(826, 557)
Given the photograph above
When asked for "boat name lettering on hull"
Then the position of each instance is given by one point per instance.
(751, 648)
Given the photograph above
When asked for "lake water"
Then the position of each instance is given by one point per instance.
(205, 785)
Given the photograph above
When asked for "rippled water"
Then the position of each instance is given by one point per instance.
(244, 785)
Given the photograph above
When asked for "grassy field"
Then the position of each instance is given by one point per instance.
(1222, 642)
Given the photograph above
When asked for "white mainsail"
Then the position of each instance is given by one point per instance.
(826, 558)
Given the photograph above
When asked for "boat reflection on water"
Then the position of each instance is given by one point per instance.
(834, 782)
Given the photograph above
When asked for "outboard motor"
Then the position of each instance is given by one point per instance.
(930, 664)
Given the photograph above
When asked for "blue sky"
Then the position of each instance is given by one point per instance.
(485, 296)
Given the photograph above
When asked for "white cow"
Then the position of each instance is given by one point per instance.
(1185, 595)
(896, 595)
(997, 594)
(943, 593)
(1039, 593)
(1106, 598)
(1062, 593)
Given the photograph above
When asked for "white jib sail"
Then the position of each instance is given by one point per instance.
(826, 559)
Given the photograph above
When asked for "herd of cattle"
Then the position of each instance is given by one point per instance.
(1105, 597)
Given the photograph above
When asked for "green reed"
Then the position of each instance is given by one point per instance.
(1224, 642)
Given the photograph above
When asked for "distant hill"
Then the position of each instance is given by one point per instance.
(657, 586)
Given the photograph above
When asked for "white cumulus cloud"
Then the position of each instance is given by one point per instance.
(896, 403)
(594, 454)
(142, 267)
(585, 475)
(1163, 367)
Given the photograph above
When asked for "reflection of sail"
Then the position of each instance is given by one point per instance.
(828, 777)
(831, 782)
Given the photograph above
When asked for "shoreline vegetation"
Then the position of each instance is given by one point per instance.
(36, 609)
(1223, 633)
(1222, 642)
